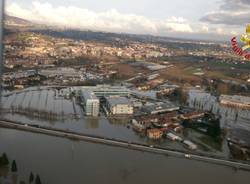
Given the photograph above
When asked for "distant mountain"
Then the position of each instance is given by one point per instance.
(77, 34)
(16, 21)
(122, 39)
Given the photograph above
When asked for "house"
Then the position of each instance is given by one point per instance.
(154, 133)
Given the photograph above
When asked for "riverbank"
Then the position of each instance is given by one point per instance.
(123, 144)
(66, 161)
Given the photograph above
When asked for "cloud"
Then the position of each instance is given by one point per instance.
(110, 20)
(231, 12)
(235, 5)
(205, 29)
(114, 21)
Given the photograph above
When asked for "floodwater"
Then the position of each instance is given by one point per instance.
(234, 119)
(48, 107)
(230, 117)
(59, 160)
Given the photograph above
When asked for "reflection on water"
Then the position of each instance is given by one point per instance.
(230, 117)
(91, 123)
(95, 163)
(208, 143)
(33, 105)
(46, 103)
(50, 101)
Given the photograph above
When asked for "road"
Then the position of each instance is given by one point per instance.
(121, 143)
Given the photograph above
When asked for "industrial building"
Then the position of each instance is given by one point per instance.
(192, 115)
(119, 105)
(90, 102)
(66, 72)
(235, 101)
(160, 108)
(107, 90)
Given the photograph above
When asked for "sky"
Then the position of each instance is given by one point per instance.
(195, 19)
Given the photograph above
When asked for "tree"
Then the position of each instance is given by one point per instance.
(14, 166)
(180, 95)
(223, 88)
(38, 180)
(31, 179)
(4, 161)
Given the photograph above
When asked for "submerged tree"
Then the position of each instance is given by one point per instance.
(181, 95)
(14, 166)
(4, 161)
(31, 178)
(38, 180)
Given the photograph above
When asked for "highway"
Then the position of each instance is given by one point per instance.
(123, 144)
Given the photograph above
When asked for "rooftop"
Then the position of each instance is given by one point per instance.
(88, 95)
(236, 98)
(118, 100)
(167, 106)
(154, 130)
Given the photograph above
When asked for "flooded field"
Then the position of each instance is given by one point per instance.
(235, 120)
(65, 161)
(47, 103)
(51, 107)
(230, 117)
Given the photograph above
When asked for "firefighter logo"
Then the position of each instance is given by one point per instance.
(243, 49)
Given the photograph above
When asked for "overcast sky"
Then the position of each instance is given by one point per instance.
(202, 19)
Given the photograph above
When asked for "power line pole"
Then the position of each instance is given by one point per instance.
(1, 47)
